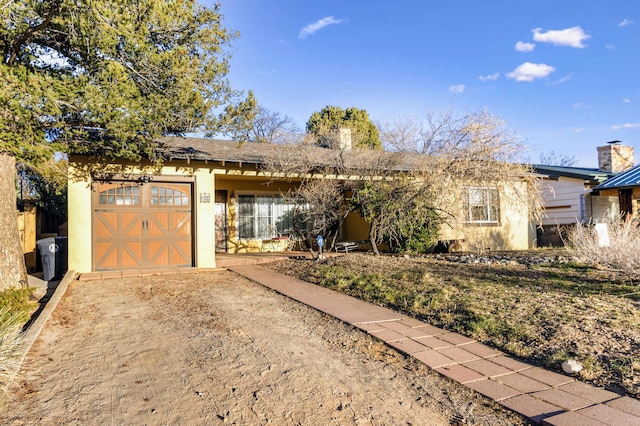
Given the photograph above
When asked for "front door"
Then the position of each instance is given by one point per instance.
(221, 221)
(142, 225)
(625, 198)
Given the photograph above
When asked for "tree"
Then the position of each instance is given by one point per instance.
(456, 154)
(409, 193)
(265, 126)
(553, 158)
(319, 197)
(400, 211)
(45, 185)
(115, 73)
(325, 124)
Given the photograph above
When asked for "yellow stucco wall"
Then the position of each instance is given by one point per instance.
(79, 220)
(514, 231)
(80, 209)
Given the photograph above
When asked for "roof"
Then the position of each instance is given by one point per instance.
(179, 148)
(589, 174)
(628, 179)
(226, 151)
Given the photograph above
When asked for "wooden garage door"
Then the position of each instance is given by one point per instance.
(142, 225)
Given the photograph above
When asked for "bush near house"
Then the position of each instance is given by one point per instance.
(539, 306)
(614, 244)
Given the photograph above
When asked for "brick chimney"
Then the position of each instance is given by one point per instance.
(344, 138)
(615, 158)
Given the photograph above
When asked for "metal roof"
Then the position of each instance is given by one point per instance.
(627, 179)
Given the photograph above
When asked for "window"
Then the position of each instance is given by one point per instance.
(482, 205)
(167, 196)
(126, 195)
(263, 216)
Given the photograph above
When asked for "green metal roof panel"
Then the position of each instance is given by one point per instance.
(584, 173)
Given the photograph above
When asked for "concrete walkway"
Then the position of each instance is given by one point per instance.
(545, 397)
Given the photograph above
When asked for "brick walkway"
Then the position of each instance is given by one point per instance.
(545, 397)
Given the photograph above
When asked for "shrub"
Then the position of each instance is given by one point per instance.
(619, 252)
(10, 338)
(15, 307)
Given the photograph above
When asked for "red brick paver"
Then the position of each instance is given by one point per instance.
(531, 407)
(569, 418)
(460, 373)
(488, 368)
(493, 389)
(610, 416)
(522, 383)
(626, 404)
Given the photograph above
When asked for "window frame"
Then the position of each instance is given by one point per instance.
(490, 203)
(263, 216)
(124, 195)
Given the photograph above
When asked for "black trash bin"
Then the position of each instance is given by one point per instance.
(53, 253)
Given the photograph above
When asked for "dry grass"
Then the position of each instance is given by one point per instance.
(15, 308)
(543, 314)
(10, 337)
(617, 248)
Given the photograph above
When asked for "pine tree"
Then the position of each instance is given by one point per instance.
(117, 73)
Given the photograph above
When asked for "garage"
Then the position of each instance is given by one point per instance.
(142, 224)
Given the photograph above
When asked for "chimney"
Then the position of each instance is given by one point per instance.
(615, 158)
(344, 138)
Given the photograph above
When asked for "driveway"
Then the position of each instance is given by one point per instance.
(216, 348)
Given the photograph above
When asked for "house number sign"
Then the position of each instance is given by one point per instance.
(205, 197)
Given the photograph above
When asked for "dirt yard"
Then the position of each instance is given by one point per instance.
(215, 348)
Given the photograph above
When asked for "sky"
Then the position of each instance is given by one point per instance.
(563, 75)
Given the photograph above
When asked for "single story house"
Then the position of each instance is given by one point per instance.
(213, 196)
(625, 188)
(572, 194)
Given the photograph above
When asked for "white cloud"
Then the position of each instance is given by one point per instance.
(318, 25)
(626, 100)
(609, 46)
(626, 126)
(530, 72)
(457, 89)
(579, 129)
(572, 37)
(490, 77)
(521, 46)
(564, 79)
(625, 22)
(579, 105)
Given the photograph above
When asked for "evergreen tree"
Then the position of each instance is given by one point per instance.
(325, 124)
(117, 73)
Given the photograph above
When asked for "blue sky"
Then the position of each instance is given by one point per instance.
(564, 75)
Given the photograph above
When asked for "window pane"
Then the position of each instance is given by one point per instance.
(246, 216)
(483, 205)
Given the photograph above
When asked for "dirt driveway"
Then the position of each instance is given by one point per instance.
(215, 348)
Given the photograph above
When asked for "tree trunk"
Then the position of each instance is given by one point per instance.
(13, 271)
(373, 236)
